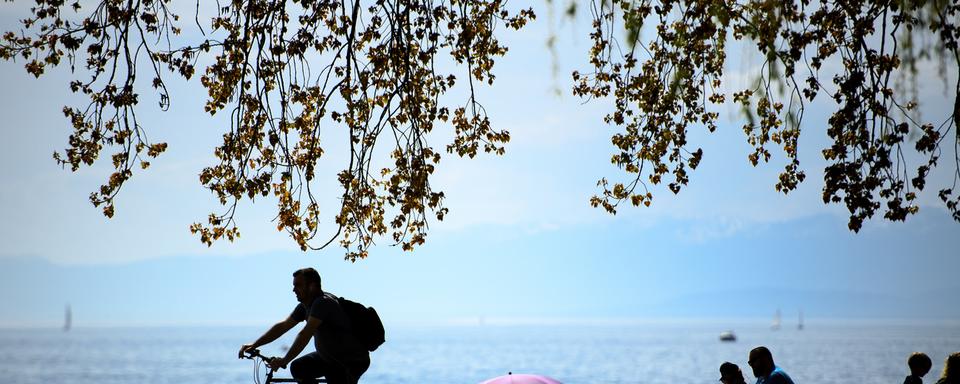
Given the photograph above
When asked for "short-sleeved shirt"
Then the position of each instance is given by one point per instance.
(334, 337)
(778, 376)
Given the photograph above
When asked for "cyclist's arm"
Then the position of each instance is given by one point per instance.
(275, 332)
(303, 337)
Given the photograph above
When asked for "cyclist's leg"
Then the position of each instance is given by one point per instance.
(347, 371)
(336, 374)
(308, 368)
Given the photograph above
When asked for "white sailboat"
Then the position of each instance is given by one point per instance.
(800, 322)
(776, 321)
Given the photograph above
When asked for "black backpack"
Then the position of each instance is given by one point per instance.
(366, 324)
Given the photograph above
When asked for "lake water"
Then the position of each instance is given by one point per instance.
(664, 352)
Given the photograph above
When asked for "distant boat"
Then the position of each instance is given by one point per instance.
(776, 321)
(728, 336)
(67, 319)
(800, 322)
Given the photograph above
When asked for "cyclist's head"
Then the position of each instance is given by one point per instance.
(309, 277)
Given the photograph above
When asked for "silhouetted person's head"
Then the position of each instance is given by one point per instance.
(919, 364)
(306, 285)
(761, 360)
(951, 369)
(730, 374)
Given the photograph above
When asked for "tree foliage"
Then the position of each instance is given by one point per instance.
(287, 72)
(671, 82)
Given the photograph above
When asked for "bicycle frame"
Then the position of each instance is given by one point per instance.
(255, 354)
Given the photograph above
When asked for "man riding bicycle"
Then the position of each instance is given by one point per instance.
(339, 356)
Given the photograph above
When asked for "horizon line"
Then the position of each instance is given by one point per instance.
(507, 321)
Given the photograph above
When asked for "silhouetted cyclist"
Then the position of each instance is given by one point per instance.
(339, 356)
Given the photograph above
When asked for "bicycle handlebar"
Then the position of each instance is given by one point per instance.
(255, 353)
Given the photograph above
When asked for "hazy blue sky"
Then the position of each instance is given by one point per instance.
(520, 242)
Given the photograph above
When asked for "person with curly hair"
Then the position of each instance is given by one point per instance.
(951, 370)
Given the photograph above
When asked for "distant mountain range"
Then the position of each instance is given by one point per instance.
(813, 303)
(216, 290)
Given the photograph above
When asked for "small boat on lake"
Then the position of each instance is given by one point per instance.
(728, 336)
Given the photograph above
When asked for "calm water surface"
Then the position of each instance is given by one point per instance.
(828, 353)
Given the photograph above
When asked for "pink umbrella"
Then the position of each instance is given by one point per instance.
(521, 378)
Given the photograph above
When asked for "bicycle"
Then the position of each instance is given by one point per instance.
(261, 360)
